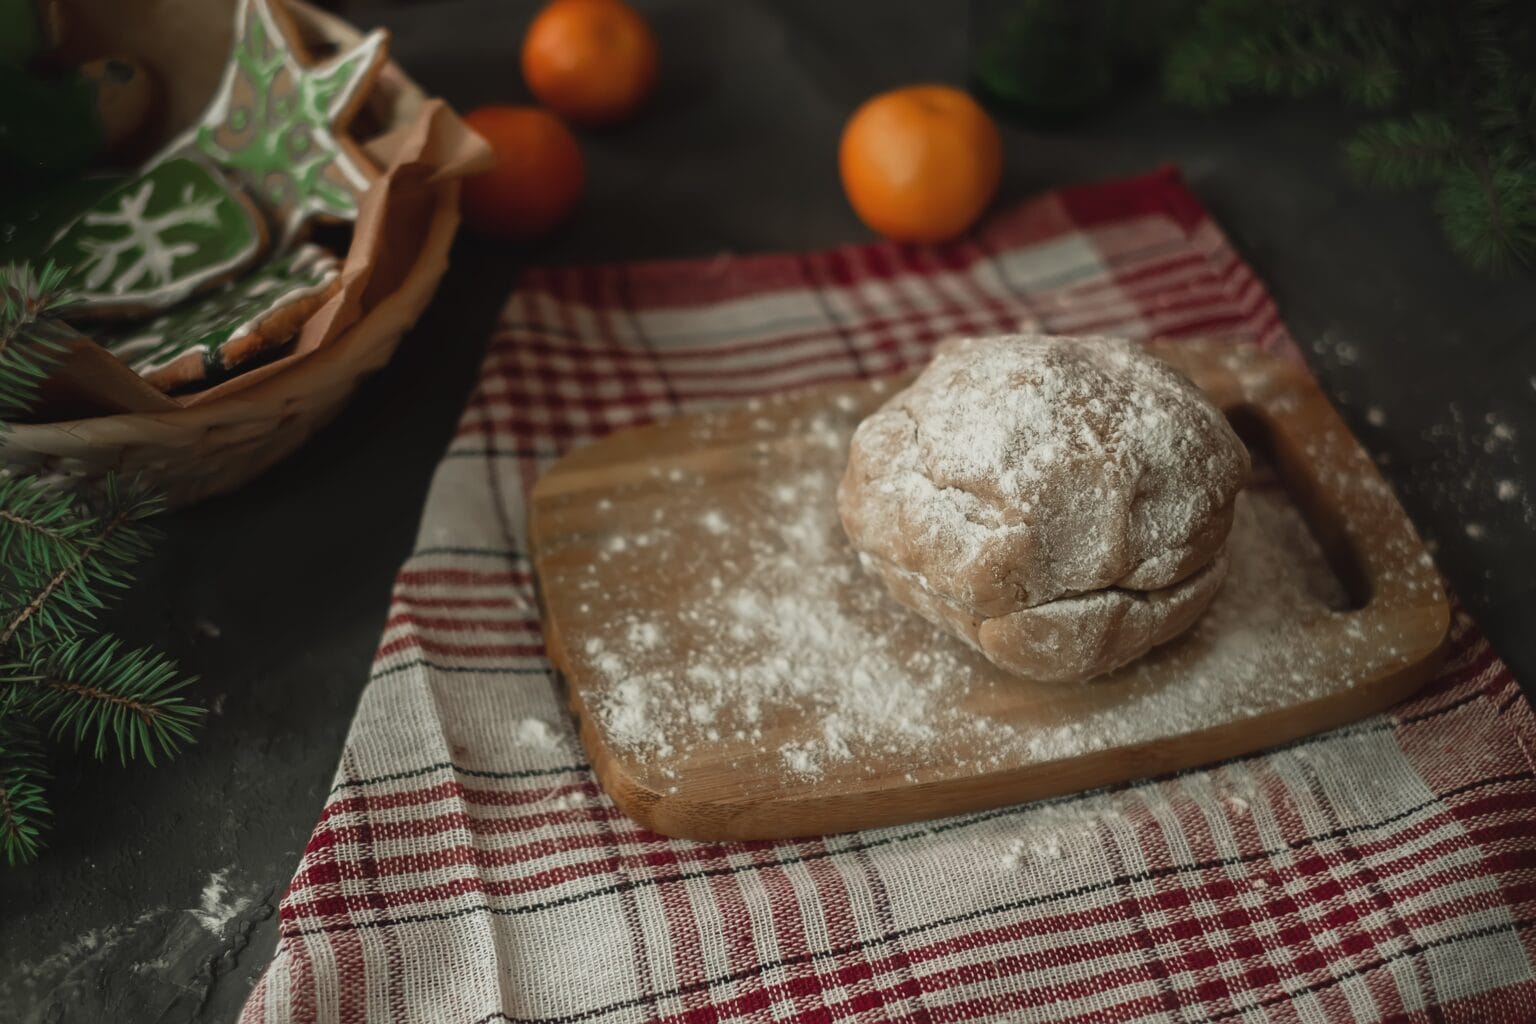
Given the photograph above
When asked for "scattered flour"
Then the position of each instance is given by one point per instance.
(643, 635)
(767, 641)
(1329, 344)
(536, 733)
(1022, 851)
(1052, 831)
(1474, 457)
(218, 907)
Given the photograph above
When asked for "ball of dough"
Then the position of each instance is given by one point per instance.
(1061, 503)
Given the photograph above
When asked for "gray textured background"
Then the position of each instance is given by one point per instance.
(155, 901)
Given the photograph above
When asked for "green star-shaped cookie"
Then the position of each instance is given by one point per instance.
(277, 124)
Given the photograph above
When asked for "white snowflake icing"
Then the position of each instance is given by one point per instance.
(153, 260)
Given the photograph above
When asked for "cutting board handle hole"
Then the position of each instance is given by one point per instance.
(1277, 462)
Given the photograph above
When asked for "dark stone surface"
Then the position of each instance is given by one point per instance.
(276, 595)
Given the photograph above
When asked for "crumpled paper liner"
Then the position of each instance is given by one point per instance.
(422, 143)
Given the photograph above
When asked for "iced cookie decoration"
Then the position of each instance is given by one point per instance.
(1062, 504)
(156, 239)
(230, 327)
(278, 124)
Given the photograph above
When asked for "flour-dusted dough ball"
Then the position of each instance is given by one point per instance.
(1061, 503)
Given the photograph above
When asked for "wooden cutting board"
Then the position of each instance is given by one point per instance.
(737, 675)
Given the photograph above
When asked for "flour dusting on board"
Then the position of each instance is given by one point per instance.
(774, 614)
(742, 630)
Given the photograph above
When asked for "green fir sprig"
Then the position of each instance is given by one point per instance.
(106, 698)
(67, 554)
(82, 548)
(1447, 88)
(1453, 85)
(24, 810)
(32, 337)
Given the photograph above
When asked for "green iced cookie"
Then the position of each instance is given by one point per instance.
(212, 334)
(279, 125)
(172, 231)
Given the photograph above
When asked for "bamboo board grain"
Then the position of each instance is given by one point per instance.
(592, 514)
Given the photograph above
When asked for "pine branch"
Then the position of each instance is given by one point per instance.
(54, 600)
(65, 554)
(1240, 48)
(1404, 152)
(39, 526)
(32, 338)
(1487, 208)
(108, 697)
(1463, 75)
(23, 804)
(1373, 81)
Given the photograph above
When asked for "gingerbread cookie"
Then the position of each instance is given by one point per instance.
(278, 125)
(156, 239)
(214, 334)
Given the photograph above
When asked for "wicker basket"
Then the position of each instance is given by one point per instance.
(215, 446)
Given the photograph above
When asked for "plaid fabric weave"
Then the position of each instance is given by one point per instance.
(467, 869)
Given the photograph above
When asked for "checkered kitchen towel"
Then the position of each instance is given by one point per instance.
(468, 870)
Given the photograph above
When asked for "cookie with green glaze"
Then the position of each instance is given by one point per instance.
(212, 335)
(156, 239)
(278, 124)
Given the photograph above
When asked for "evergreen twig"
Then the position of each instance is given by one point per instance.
(1404, 152)
(1461, 78)
(57, 594)
(23, 804)
(64, 555)
(106, 697)
(32, 338)
(38, 525)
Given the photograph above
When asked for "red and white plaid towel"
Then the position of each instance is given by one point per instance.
(468, 870)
